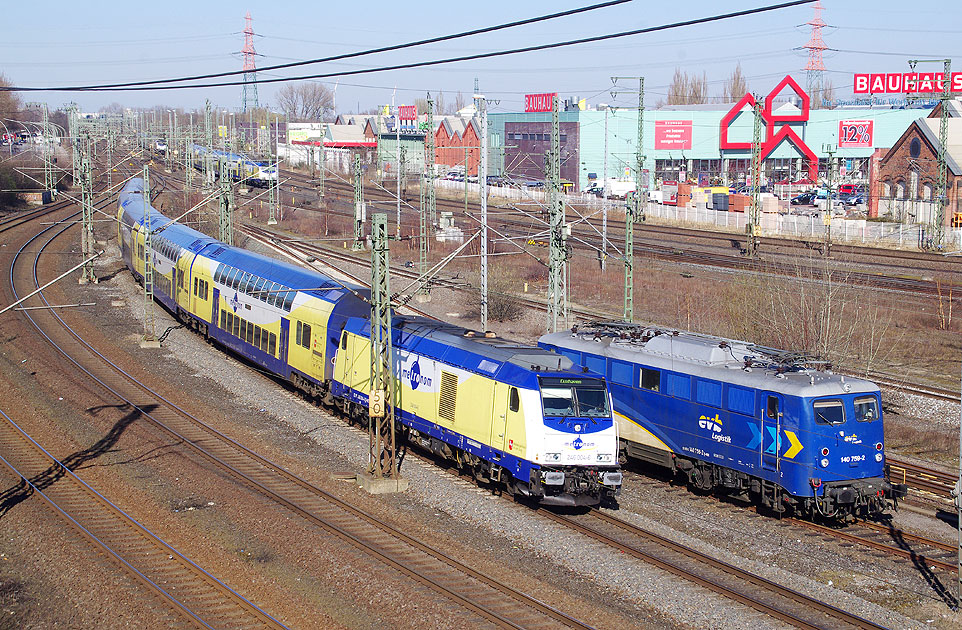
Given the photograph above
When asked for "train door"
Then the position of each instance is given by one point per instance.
(282, 342)
(499, 416)
(183, 282)
(773, 406)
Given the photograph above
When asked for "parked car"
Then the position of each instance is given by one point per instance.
(804, 199)
(534, 185)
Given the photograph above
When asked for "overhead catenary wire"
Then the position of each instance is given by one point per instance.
(155, 86)
(382, 49)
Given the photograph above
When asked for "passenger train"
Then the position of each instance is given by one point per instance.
(511, 414)
(758, 424)
(240, 167)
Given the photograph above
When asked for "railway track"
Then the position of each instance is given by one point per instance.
(937, 482)
(486, 598)
(751, 590)
(199, 598)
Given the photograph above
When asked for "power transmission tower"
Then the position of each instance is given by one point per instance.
(383, 454)
(209, 154)
(636, 202)
(87, 274)
(272, 183)
(482, 109)
(429, 198)
(557, 244)
(149, 340)
(827, 217)
(321, 174)
(359, 209)
(815, 68)
(226, 204)
(941, 184)
(752, 228)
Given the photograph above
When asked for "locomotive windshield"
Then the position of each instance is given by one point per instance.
(829, 412)
(566, 397)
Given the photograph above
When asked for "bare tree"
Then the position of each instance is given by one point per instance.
(736, 86)
(698, 89)
(439, 104)
(458, 103)
(687, 90)
(305, 102)
(828, 92)
(10, 102)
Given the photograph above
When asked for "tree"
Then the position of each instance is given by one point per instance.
(305, 102)
(458, 103)
(10, 102)
(736, 86)
(687, 90)
(828, 92)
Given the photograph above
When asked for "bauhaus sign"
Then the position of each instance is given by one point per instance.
(539, 102)
(905, 83)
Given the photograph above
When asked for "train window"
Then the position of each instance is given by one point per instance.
(289, 299)
(306, 336)
(203, 290)
(592, 401)
(272, 346)
(258, 287)
(257, 336)
(772, 407)
(866, 409)
(297, 335)
(621, 373)
(250, 332)
(514, 399)
(195, 286)
(248, 283)
(223, 319)
(829, 412)
(344, 340)
(558, 401)
(650, 379)
(235, 326)
(229, 278)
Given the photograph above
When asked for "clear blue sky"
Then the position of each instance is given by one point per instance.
(60, 43)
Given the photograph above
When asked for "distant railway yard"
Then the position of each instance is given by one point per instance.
(202, 491)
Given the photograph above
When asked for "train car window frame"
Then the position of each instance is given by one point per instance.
(257, 336)
(289, 300)
(272, 347)
(306, 336)
(258, 286)
(650, 379)
(771, 408)
(866, 409)
(514, 400)
(831, 403)
(223, 319)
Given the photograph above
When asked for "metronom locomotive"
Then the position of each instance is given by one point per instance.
(512, 414)
(755, 423)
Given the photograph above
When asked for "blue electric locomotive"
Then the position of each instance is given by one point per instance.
(760, 424)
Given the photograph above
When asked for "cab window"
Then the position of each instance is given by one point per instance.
(866, 409)
(592, 401)
(514, 400)
(830, 412)
(344, 340)
(772, 408)
(558, 401)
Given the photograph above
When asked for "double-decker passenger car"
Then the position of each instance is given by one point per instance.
(757, 423)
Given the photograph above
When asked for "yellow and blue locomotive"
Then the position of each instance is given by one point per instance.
(512, 414)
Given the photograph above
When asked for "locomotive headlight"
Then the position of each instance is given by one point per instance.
(552, 457)
(824, 462)
(878, 457)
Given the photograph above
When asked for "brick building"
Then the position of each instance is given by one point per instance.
(454, 136)
(904, 187)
